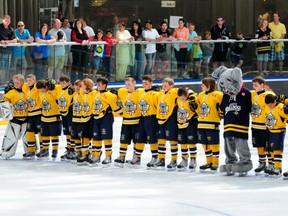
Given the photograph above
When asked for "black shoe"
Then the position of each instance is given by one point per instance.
(54, 153)
(43, 154)
(66, 154)
(83, 161)
(120, 161)
(29, 155)
(152, 162)
(159, 165)
(206, 166)
(261, 167)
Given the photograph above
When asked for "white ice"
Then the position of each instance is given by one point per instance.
(38, 188)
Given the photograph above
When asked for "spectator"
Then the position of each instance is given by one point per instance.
(123, 54)
(115, 27)
(136, 33)
(89, 30)
(161, 52)
(151, 35)
(181, 33)
(207, 49)
(263, 48)
(39, 54)
(19, 62)
(7, 35)
(277, 48)
(219, 32)
(237, 50)
(56, 53)
(79, 52)
(97, 52)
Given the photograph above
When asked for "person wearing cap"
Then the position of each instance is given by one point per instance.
(150, 34)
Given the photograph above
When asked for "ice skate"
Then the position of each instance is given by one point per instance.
(120, 161)
(268, 169)
(182, 166)
(159, 165)
(94, 161)
(226, 168)
(83, 160)
(54, 154)
(275, 173)
(193, 164)
(214, 169)
(152, 161)
(73, 156)
(29, 156)
(106, 162)
(172, 165)
(43, 154)
(135, 162)
(285, 175)
(65, 156)
(204, 167)
(261, 168)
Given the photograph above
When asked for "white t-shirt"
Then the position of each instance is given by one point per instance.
(151, 34)
(89, 31)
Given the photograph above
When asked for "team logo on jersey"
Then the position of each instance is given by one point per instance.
(20, 106)
(163, 108)
(204, 110)
(46, 106)
(233, 107)
(86, 107)
(255, 110)
(130, 107)
(62, 102)
(182, 115)
(270, 121)
(77, 107)
(31, 103)
(143, 106)
(97, 106)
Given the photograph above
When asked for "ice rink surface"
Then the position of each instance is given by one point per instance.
(38, 188)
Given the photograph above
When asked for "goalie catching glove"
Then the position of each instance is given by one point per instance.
(51, 84)
(71, 90)
(192, 101)
(9, 87)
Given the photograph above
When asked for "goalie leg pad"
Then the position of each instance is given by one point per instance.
(10, 140)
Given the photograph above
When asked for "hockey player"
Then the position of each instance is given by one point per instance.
(167, 120)
(128, 98)
(34, 116)
(65, 102)
(208, 111)
(148, 125)
(87, 119)
(259, 130)
(105, 102)
(276, 120)
(187, 128)
(18, 124)
(51, 118)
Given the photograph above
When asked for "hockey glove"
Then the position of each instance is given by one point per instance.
(9, 87)
(286, 108)
(51, 84)
(281, 98)
(71, 90)
(192, 102)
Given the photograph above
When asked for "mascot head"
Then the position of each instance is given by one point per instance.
(229, 80)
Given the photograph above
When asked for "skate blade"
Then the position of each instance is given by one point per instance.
(158, 168)
(275, 176)
(29, 158)
(121, 165)
(192, 169)
(285, 177)
(181, 169)
(93, 165)
(132, 166)
(106, 165)
(171, 169)
(82, 164)
(43, 158)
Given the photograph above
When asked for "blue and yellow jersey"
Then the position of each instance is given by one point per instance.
(258, 109)
(105, 102)
(77, 107)
(33, 100)
(147, 101)
(208, 109)
(88, 105)
(167, 104)
(276, 119)
(128, 101)
(65, 101)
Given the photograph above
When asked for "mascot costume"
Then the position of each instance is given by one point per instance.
(236, 106)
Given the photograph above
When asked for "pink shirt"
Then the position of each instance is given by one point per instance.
(181, 34)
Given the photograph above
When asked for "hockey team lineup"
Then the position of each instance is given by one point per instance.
(40, 111)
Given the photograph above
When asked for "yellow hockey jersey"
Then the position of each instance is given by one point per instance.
(88, 105)
(147, 101)
(167, 103)
(208, 110)
(105, 102)
(77, 107)
(128, 101)
(276, 119)
(33, 100)
(65, 101)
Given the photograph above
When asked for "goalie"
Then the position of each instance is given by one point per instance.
(14, 108)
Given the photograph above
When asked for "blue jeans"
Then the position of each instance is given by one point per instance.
(149, 63)
(40, 68)
(136, 70)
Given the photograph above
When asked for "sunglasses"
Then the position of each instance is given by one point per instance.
(20, 25)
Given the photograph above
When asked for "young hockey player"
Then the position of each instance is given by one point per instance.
(87, 119)
(34, 116)
(105, 102)
(208, 111)
(259, 130)
(167, 120)
(51, 119)
(128, 98)
(18, 124)
(276, 120)
(65, 102)
(148, 125)
(187, 128)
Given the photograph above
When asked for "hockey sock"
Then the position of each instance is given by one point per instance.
(193, 150)
(108, 147)
(31, 140)
(96, 148)
(78, 145)
(40, 141)
(208, 153)
(261, 154)
(269, 157)
(215, 154)
(174, 149)
(139, 147)
(278, 159)
(55, 142)
(161, 148)
(68, 141)
(123, 149)
(85, 146)
(72, 144)
(184, 151)
(154, 149)
(46, 142)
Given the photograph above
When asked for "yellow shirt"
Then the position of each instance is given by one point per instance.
(276, 119)
(147, 101)
(33, 100)
(277, 32)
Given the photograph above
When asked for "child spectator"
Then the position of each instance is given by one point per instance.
(237, 50)
(207, 49)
